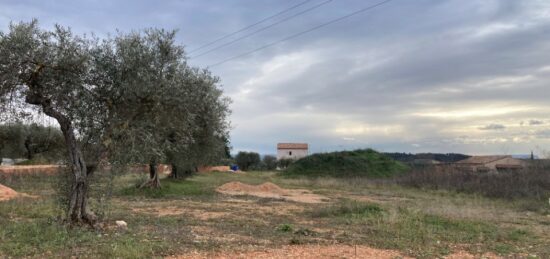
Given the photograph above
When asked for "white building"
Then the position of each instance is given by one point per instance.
(292, 150)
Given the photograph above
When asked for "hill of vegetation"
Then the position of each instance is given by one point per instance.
(357, 163)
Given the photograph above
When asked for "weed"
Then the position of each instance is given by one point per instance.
(285, 228)
(350, 208)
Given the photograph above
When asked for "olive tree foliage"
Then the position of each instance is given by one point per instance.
(269, 162)
(182, 114)
(125, 99)
(207, 140)
(248, 160)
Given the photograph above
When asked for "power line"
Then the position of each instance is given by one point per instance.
(262, 29)
(301, 33)
(249, 26)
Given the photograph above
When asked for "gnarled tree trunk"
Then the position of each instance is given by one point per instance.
(78, 211)
(154, 181)
(78, 200)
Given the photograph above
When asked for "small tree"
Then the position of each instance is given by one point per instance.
(269, 162)
(248, 160)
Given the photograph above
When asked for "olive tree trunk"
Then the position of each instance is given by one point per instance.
(78, 211)
(28, 148)
(154, 181)
(174, 173)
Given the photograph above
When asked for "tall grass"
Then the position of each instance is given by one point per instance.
(532, 182)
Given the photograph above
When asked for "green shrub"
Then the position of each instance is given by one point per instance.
(285, 227)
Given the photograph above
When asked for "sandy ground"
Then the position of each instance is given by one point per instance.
(270, 190)
(7, 193)
(321, 251)
(306, 252)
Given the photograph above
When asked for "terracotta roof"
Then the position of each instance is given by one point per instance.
(481, 159)
(292, 146)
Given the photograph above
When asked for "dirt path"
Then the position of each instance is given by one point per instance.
(304, 251)
(321, 251)
(270, 190)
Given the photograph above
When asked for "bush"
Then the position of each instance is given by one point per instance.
(269, 162)
(284, 163)
(532, 182)
(358, 163)
(248, 160)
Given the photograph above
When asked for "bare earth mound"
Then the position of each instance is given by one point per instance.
(7, 193)
(270, 190)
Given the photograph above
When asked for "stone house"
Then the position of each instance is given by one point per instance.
(293, 151)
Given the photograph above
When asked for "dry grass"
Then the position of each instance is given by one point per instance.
(190, 218)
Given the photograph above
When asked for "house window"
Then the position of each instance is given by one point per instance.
(290, 153)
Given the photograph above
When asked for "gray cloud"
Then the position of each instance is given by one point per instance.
(412, 76)
(493, 127)
(535, 122)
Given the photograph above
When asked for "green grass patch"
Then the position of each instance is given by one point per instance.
(285, 227)
(44, 238)
(357, 163)
(350, 209)
(170, 188)
(29, 208)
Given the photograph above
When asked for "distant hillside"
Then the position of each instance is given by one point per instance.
(358, 163)
(444, 158)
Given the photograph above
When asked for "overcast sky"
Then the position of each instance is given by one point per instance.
(412, 76)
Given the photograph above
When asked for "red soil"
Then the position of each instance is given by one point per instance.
(7, 193)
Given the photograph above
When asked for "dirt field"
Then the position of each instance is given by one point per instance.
(270, 190)
(30, 169)
(262, 215)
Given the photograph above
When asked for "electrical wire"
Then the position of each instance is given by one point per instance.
(302, 32)
(249, 26)
(263, 29)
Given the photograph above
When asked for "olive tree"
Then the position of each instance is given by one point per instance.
(248, 160)
(113, 99)
(49, 71)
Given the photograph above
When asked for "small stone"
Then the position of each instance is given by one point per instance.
(121, 224)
